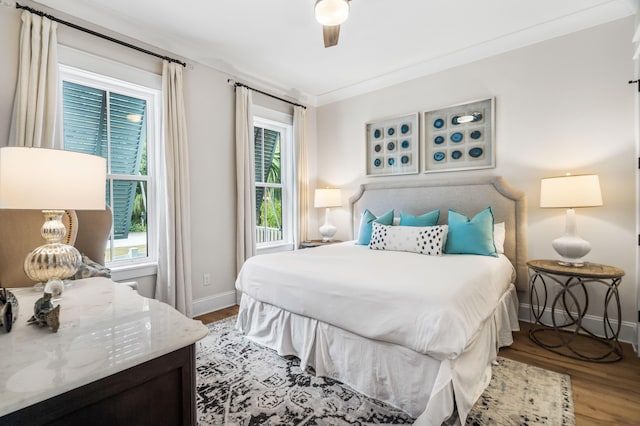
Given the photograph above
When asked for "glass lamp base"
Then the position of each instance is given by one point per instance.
(53, 260)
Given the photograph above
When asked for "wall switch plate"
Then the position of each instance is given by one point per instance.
(206, 279)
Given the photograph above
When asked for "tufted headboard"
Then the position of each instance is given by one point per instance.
(467, 196)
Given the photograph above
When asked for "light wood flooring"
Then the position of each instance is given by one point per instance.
(603, 394)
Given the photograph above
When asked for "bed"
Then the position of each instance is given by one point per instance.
(419, 332)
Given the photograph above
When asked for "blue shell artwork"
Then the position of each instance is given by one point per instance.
(391, 131)
(476, 134)
(405, 144)
(377, 162)
(438, 140)
(377, 134)
(391, 146)
(456, 155)
(456, 137)
(377, 148)
(404, 129)
(476, 152)
(391, 161)
(438, 156)
(438, 123)
(404, 159)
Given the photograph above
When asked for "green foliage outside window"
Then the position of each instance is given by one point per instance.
(139, 213)
(271, 208)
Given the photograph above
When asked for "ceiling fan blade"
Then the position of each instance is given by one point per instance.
(330, 34)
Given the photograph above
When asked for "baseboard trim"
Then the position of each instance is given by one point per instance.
(213, 303)
(592, 322)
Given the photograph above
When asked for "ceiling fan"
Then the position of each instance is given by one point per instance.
(331, 13)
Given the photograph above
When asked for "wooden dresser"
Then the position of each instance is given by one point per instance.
(118, 358)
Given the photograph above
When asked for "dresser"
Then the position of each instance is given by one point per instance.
(117, 358)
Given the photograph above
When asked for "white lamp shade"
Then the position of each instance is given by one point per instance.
(328, 197)
(331, 12)
(51, 179)
(570, 191)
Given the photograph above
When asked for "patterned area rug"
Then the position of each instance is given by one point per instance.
(241, 383)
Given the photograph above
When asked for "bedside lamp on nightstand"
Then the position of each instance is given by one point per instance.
(570, 192)
(327, 198)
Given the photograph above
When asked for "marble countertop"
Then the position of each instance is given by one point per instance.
(104, 328)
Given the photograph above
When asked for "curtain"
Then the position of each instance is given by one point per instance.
(174, 266)
(299, 132)
(245, 179)
(36, 99)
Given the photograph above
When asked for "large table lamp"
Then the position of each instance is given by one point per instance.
(571, 192)
(327, 198)
(53, 181)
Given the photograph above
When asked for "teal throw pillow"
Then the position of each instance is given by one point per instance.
(364, 235)
(427, 219)
(473, 236)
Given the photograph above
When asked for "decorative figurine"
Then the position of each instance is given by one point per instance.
(45, 314)
(8, 309)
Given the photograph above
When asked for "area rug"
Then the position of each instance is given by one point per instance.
(242, 383)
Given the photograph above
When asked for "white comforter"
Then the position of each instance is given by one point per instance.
(433, 305)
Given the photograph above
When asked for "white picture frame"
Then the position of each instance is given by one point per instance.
(393, 145)
(450, 145)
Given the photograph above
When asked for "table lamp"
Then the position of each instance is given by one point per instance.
(53, 181)
(570, 192)
(327, 198)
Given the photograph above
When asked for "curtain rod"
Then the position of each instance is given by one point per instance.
(97, 34)
(238, 84)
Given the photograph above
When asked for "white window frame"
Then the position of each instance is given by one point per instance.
(147, 265)
(283, 123)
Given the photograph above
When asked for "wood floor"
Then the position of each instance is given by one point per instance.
(603, 394)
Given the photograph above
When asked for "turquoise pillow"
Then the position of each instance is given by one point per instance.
(364, 235)
(473, 236)
(427, 219)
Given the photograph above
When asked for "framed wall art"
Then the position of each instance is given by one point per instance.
(392, 146)
(460, 137)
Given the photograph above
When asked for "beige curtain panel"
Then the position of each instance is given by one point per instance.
(34, 110)
(299, 132)
(174, 267)
(245, 179)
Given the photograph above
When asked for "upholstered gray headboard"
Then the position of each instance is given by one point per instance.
(467, 196)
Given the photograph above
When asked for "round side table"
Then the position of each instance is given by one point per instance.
(564, 291)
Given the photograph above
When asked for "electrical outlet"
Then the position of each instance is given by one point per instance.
(206, 279)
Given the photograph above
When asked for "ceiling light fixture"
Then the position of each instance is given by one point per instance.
(332, 12)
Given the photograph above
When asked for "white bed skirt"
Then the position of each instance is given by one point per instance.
(422, 386)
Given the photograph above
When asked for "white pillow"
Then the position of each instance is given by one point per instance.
(498, 236)
(427, 240)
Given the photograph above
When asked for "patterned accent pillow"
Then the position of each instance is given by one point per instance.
(90, 268)
(427, 240)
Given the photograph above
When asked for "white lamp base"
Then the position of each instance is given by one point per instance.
(570, 246)
(327, 230)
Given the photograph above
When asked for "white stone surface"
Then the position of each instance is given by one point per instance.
(104, 328)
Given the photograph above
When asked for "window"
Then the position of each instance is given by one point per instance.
(273, 149)
(116, 120)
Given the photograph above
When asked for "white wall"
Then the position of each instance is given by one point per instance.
(561, 105)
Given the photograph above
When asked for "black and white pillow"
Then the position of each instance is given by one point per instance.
(379, 234)
(427, 240)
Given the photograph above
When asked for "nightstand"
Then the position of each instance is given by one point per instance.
(317, 243)
(559, 299)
